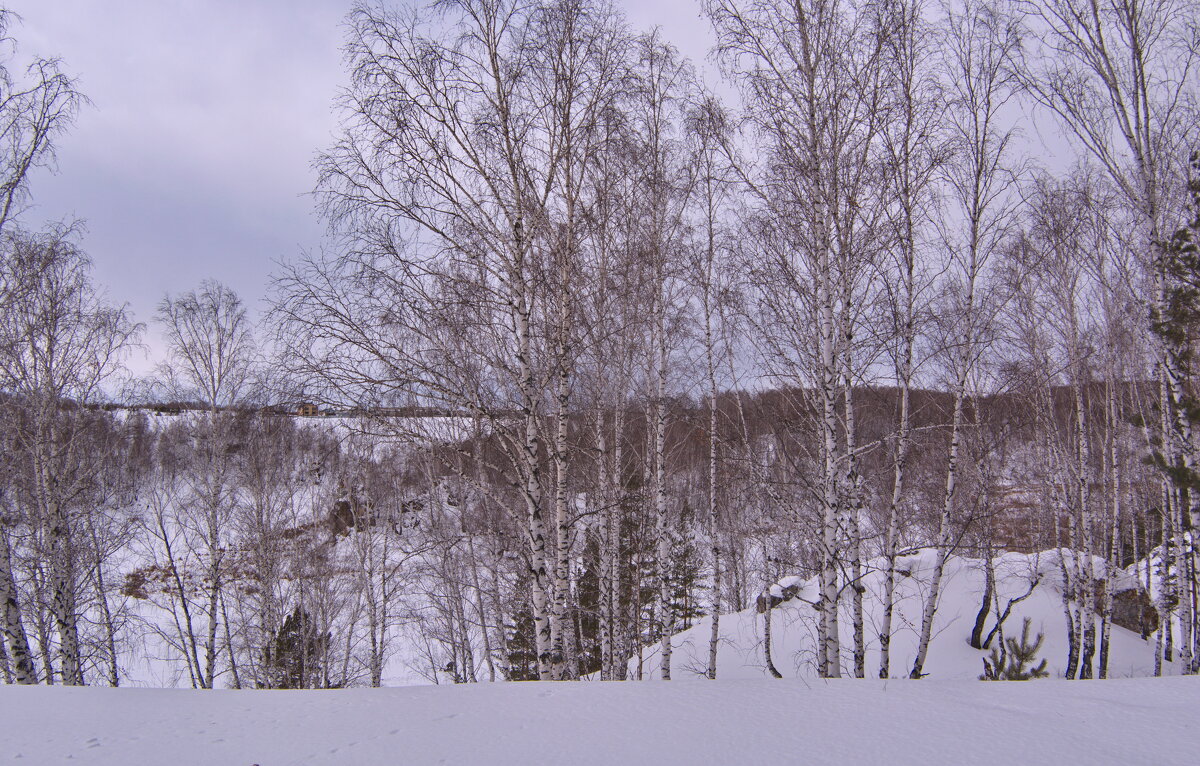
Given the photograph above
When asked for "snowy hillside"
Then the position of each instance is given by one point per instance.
(760, 722)
(793, 625)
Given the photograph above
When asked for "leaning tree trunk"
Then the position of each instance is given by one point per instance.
(989, 590)
(110, 631)
(945, 533)
(767, 612)
(16, 642)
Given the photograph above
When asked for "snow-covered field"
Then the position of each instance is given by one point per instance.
(760, 722)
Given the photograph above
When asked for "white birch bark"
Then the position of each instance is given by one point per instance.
(16, 643)
(945, 535)
(1113, 76)
(666, 605)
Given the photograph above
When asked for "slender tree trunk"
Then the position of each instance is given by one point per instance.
(604, 608)
(63, 597)
(548, 663)
(1169, 589)
(767, 637)
(714, 637)
(110, 631)
(892, 539)
(190, 648)
(562, 569)
(1112, 565)
(480, 609)
(666, 605)
(714, 445)
(989, 590)
(828, 633)
(616, 506)
(1068, 589)
(214, 595)
(853, 526)
(945, 533)
(1087, 588)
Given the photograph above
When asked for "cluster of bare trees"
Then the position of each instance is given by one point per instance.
(679, 349)
(547, 225)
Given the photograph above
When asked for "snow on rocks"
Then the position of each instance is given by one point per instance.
(794, 622)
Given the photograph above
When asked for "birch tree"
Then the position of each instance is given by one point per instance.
(980, 180)
(809, 76)
(916, 148)
(35, 110)
(1120, 78)
(60, 341)
(708, 129)
(211, 353)
(658, 103)
(455, 184)
(19, 657)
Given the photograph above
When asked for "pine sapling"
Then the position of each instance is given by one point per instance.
(1020, 654)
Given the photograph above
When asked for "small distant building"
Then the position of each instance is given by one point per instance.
(308, 410)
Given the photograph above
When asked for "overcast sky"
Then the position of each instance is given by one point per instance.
(194, 159)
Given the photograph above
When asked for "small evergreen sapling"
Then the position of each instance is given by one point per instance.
(1020, 654)
(294, 658)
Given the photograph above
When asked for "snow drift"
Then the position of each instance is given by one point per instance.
(762, 721)
(794, 623)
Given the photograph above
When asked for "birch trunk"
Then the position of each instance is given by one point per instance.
(945, 532)
(853, 527)
(1087, 588)
(562, 568)
(903, 437)
(770, 662)
(1112, 565)
(714, 530)
(63, 597)
(16, 642)
(619, 667)
(828, 636)
(663, 553)
(915, 155)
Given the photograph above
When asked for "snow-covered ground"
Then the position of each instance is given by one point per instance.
(760, 722)
(794, 623)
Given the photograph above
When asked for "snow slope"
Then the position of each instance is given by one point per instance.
(762, 721)
(793, 624)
